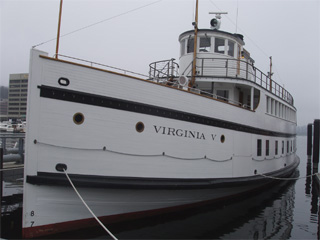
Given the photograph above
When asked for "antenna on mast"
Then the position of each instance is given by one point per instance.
(216, 22)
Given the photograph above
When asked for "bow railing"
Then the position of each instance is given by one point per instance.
(163, 71)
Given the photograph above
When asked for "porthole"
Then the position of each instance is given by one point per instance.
(140, 127)
(222, 138)
(63, 81)
(78, 118)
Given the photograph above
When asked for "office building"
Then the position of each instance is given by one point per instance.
(18, 91)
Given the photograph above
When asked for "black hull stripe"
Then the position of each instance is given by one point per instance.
(125, 105)
(93, 181)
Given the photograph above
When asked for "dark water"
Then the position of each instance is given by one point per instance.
(289, 210)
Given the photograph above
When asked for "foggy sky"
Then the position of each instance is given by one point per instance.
(289, 31)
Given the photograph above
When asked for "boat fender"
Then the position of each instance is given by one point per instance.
(60, 167)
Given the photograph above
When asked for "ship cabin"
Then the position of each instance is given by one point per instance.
(221, 58)
(225, 72)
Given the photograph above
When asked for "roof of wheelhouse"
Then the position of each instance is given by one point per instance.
(235, 36)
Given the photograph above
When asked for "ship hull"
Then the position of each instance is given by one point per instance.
(58, 208)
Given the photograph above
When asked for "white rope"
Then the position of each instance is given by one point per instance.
(88, 207)
(287, 178)
(8, 169)
(136, 155)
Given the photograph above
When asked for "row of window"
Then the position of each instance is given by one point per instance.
(17, 113)
(16, 108)
(280, 110)
(286, 147)
(18, 95)
(220, 45)
(18, 99)
(18, 90)
(19, 81)
(19, 86)
(17, 104)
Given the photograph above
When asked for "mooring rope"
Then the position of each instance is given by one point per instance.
(276, 178)
(8, 169)
(74, 188)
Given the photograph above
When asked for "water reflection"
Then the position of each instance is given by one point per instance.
(268, 214)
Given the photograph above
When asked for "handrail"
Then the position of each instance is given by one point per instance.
(91, 64)
(164, 70)
(239, 69)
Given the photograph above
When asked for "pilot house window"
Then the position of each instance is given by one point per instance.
(230, 48)
(190, 45)
(205, 44)
(219, 45)
(182, 47)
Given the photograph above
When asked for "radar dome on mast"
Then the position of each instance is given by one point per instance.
(216, 22)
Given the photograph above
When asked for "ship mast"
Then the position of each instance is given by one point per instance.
(58, 33)
(195, 24)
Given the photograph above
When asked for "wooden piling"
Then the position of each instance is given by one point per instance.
(309, 140)
(1, 180)
(316, 145)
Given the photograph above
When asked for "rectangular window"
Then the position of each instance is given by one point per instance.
(230, 48)
(219, 45)
(259, 147)
(14, 90)
(276, 148)
(291, 146)
(287, 146)
(282, 147)
(205, 44)
(267, 148)
(182, 47)
(223, 95)
(14, 81)
(190, 45)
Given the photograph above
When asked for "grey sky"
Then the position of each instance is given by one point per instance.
(289, 31)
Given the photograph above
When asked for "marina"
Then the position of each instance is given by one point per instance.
(205, 145)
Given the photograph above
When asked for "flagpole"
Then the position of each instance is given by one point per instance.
(58, 34)
(193, 77)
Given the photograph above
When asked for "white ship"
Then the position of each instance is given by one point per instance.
(209, 128)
